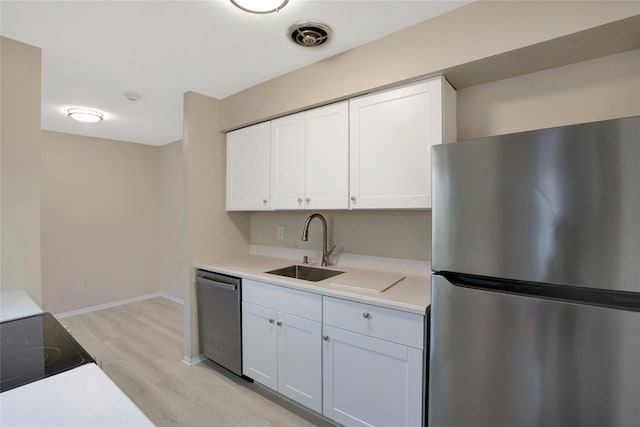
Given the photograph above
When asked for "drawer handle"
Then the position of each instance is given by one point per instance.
(279, 324)
(326, 338)
(271, 321)
(366, 315)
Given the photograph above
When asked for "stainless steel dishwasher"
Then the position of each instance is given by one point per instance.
(219, 319)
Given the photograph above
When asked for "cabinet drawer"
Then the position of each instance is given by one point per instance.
(384, 323)
(298, 303)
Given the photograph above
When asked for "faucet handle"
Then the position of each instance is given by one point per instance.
(305, 259)
(325, 256)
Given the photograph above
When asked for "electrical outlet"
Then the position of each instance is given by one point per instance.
(280, 232)
(79, 286)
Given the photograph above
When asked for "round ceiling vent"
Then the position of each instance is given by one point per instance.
(309, 34)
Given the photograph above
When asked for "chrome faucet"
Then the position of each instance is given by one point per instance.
(305, 237)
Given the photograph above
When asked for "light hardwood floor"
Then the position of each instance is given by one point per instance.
(140, 346)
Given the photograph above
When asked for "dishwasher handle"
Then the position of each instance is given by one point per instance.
(209, 282)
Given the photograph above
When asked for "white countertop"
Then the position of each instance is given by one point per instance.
(17, 304)
(82, 396)
(411, 293)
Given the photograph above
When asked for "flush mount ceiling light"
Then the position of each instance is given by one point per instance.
(260, 6)
(85, 115)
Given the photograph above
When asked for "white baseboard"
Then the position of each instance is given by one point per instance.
(172, 298)
(117, 303)
(190, 361)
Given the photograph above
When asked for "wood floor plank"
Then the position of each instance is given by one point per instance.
(140, 346)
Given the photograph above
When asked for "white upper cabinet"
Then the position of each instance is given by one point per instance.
(371, 152)
(287, 161)
(309, 159)
(327, 157)
(391, 135)
(248, 168)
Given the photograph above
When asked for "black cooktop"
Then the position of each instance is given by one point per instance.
(36, 347)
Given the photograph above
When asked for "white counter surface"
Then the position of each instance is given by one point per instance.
(83, 396)
(411, 293)
(17, 304)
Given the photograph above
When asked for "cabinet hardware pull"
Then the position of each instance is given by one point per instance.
(366, 315)
(279, 324)
(353, 198)
(299, 200)
(264, 201)
(308, 199)
(326, 338)
(271, 321)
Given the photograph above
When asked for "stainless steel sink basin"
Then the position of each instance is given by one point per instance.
(304, 272)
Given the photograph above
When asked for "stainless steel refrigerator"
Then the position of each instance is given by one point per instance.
(535, 315)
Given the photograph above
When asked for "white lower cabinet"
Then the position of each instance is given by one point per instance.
(370, 382)
(362, 366)
(372, 376)
(299, 360)
(259, 344)
(283, 350)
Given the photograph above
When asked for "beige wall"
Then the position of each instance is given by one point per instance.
(479, 30)
(81, 204)
(599, 89)
(20, 266)
(100, 220)
(396, 234)
(592, 90)
(172, 221)
(211, 231)
(75, 208)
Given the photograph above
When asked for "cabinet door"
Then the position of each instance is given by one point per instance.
(327, 157)
(287, 162)
(391, 134)
(259, 344)
(248, 168)
(370, 382)
(299, 360)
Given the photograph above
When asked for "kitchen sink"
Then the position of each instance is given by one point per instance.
(304, 272)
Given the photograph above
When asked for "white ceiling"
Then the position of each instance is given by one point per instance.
(93, 51)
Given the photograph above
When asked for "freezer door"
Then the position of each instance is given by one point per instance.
(556, 206)
(499, 359)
